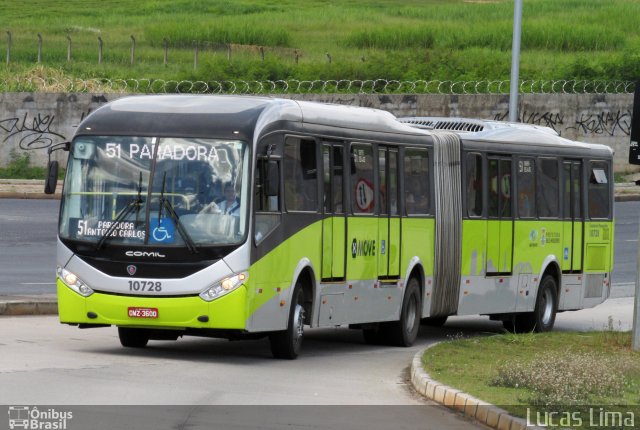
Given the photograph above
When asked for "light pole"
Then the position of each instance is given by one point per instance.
(515, 61)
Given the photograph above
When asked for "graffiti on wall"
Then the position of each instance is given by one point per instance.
(605, 123)
(34, 131)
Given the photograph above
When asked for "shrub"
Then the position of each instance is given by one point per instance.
(569, 379)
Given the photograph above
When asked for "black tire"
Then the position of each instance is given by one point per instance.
(133, 337)
(286, 344)
(405, 331)
(434, 321)
(543, 316)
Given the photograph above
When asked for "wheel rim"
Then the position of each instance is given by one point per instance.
(410, 320)
(298, 325)
(547, 307)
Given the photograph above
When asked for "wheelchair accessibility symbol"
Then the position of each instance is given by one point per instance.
(162, 232)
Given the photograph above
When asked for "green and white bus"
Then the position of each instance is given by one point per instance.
(241, 217)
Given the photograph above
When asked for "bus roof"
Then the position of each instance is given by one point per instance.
(244, 117)
(216, 115)
(490, 131)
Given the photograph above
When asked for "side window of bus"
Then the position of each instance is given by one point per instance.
(526, 177)
(474, 185)
(599, 190)
(548, 188)
(500, 188)
(416, 181)
(301, 175)
(362, 185)
(267, 206)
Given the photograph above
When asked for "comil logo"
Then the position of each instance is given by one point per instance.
(154, 254)
(32, 418)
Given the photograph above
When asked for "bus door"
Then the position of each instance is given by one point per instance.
(572, 214)
(333, 222)
(500, 225)
(389, 219)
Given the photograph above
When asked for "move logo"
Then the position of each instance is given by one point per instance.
(363, 248)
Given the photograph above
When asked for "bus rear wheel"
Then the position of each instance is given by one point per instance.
(133, 337)
(287, 343)
(543, 316)
(405, 331)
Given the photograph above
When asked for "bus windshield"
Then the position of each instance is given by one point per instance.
(155, 191)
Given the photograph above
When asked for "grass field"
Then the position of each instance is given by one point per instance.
(366, 39)
(546, 371)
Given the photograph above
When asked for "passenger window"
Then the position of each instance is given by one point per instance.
(338, 172)
(300, 173)
(383, 186)
(548, 189)
(416, 181)
(566, 198)
(526, 188)
(474, 185)
(362, 186)
(505, 188)
(500, 188)
(599, 189)
(393, 183)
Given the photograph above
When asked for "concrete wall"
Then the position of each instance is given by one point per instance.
(34, 121)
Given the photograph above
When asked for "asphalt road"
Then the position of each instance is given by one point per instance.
(28, 245)
(337, 382)
(28, 231)
(43, 362)
(625, 261)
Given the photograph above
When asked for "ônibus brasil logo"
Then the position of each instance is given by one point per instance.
(32, 418)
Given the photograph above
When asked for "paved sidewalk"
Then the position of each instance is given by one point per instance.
(44, 304)
(26, 189)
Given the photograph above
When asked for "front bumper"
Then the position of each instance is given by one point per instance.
(227, 312)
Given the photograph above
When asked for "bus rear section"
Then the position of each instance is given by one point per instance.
(537, 222)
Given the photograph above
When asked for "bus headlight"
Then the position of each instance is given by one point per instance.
(73, 282)
(223, 287)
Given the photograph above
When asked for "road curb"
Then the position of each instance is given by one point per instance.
(27, 195)
(476, 409)
(28, 307)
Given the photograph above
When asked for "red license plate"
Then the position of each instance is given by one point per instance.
(143, 312)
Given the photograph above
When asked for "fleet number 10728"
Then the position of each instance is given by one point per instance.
(140, 286)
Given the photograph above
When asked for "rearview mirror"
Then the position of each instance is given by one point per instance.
(52, 178)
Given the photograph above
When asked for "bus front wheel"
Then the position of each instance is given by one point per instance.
(133, 337)
(286, 344)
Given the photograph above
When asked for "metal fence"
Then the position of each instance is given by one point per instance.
(292, 86)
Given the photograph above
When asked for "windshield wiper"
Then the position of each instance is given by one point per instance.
(166, 204)
(134, 203)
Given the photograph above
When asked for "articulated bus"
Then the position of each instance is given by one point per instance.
(246, 217)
